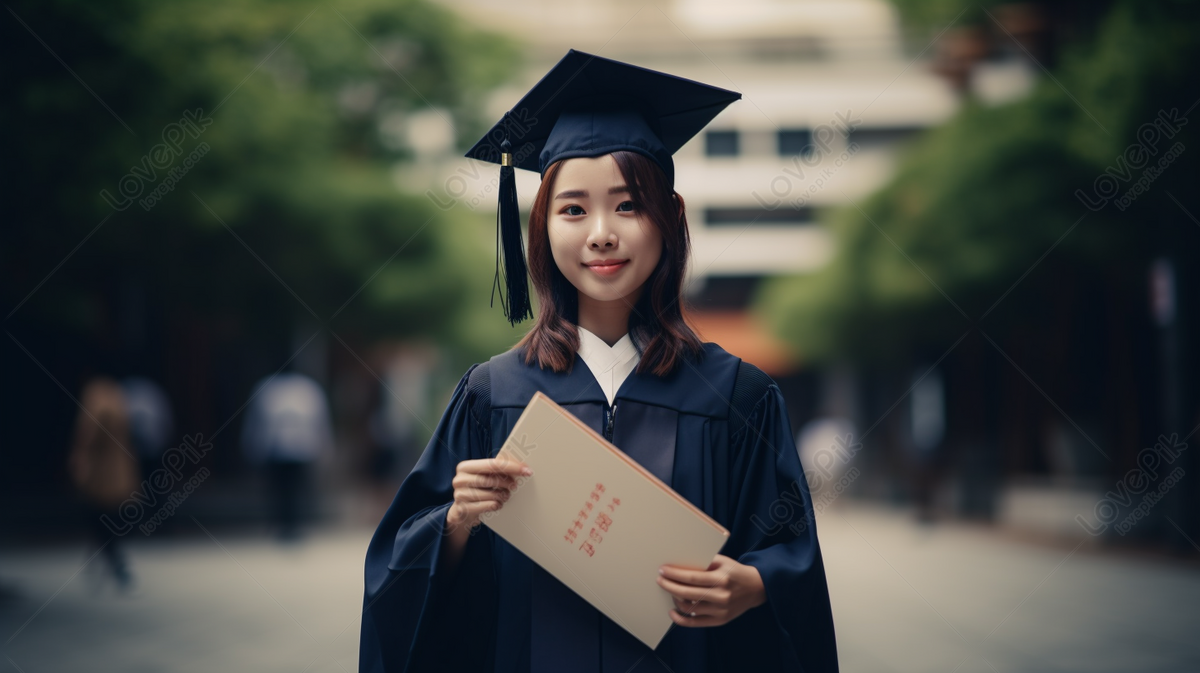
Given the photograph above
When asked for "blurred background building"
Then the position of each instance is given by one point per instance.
(922, 220)
(955, 233)
(828, 95)
(982, 425)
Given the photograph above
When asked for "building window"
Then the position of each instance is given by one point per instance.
(716, 217)
(881, 136)
(724, 293)
(795, 141)
(721, 143)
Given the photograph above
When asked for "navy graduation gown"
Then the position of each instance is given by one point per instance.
(500, 612)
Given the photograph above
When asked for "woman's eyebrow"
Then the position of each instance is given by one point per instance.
(582, 193)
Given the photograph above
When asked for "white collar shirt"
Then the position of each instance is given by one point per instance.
(609, 364)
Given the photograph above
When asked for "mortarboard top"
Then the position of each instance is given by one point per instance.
(588, 106)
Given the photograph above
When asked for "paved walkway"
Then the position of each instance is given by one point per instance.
(960, 598)
(950, 598)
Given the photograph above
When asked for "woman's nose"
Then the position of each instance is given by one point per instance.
(602, 235)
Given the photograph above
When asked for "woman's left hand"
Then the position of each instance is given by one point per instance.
(715, 596)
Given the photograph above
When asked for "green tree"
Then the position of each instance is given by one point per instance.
(290, 210)
(977, 201)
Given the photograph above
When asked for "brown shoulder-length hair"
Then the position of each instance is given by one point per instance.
(656, 324)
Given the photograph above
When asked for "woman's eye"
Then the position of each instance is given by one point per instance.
(624, 203)
(567, 211)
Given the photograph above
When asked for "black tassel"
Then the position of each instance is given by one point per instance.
(508, 229)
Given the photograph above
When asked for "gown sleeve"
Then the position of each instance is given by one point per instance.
(773, 528)
(414, 618)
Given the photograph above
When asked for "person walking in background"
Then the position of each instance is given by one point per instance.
(150, 420)
(104, 469)
(395, 425)
(287, 429)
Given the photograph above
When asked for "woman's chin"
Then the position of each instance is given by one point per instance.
(604, 294)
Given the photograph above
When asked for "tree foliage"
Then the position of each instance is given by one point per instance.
(977, 202)
(290, 211)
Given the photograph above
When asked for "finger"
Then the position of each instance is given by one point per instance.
(697, 621)
(687, 592)
(498, 465)
(491, 481)
(470, 511)
(481, 506)
(473, 480)
(704, 578)
(718, 561)
(699, 608)
(464, 495)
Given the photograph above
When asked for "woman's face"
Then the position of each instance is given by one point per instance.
(601, 242)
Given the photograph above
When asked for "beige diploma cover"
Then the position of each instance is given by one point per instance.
(598, 521)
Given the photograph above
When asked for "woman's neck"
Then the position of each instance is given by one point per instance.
(608, 320)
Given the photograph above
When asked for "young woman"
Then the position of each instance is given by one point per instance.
(608, 246)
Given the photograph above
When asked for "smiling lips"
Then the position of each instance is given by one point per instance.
(607, 267)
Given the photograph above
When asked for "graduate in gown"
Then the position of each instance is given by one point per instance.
(608, 246)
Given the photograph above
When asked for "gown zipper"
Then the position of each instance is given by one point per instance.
(610, 414)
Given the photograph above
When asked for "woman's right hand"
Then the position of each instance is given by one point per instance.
(482, 486)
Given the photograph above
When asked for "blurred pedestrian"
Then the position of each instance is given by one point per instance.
(927, 429)
(827, 445)
(394, 428)
(287, 430)
(150, 420)
(104, 469)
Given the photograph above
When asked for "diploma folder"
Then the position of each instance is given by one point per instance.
(598, 521)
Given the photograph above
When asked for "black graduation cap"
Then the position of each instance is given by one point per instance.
(587, 106)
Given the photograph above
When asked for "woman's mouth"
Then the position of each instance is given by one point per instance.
(608, 268)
